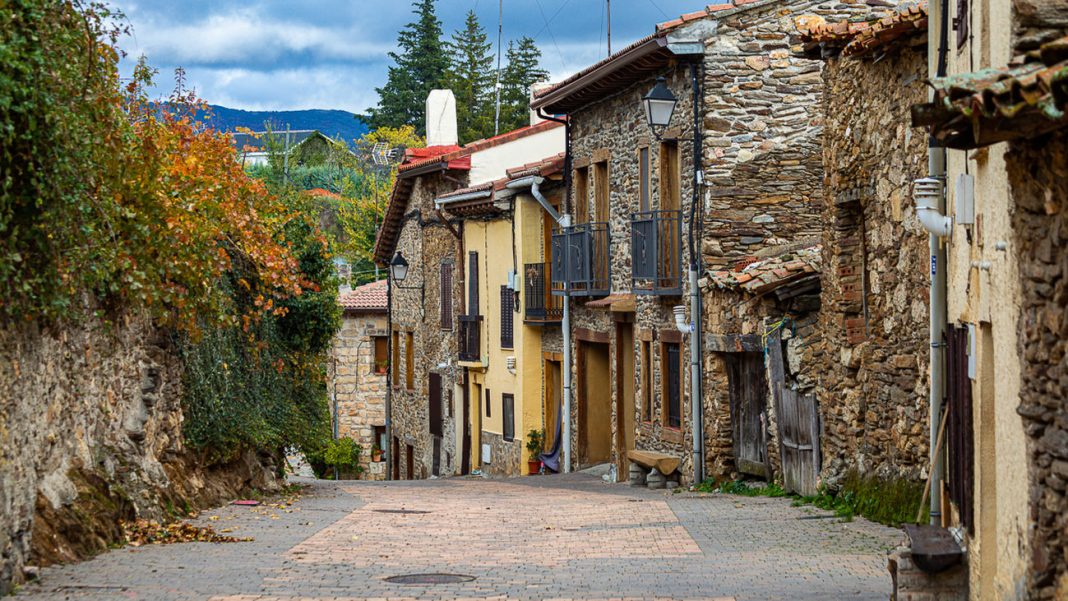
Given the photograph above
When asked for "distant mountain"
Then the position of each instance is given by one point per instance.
(334, 123)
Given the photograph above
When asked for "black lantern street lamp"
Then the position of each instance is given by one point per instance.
(398, 267)
(659, 105)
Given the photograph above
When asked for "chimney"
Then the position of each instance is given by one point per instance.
(441, 118)
(534, 117)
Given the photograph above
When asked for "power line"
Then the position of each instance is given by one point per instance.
(659, 9)
(551, 36)
(551, 19)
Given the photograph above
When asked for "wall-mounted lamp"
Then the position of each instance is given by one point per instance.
(659, 106)
(398, 270)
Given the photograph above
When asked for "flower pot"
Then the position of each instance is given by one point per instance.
(535, 467)
(376, 456)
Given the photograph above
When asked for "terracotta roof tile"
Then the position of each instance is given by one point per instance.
(857, 38)
(768, 274)
(369, 297)
(983, 107)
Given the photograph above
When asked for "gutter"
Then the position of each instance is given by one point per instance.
(441, 203)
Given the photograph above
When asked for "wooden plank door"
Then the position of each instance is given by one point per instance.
(624, 397)
(465, 445)
(748, 391)
(799, 440)
(436, 428)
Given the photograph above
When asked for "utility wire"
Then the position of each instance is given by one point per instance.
(659, 9)
(563, 62)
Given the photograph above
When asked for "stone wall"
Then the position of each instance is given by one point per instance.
(425, 242)
(506, 456)
(873, 383)
(1036, 172)
(90, 434)
(361, 391)
(763, 125)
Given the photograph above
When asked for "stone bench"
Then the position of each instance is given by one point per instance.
(653, 469)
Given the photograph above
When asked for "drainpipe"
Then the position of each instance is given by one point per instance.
(930, 195)
(565, 326)
(696, 402)
(388, 451)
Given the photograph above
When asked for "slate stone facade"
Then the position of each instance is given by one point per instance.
(873, 368)
(1036, 173)
(425, 241)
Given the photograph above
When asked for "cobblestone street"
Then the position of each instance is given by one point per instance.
(574, 537)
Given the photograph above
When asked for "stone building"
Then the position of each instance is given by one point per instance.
(360, 373)
(439, 420)
(421, 419)
(761, 191)
(873, 384)
(1004, 129)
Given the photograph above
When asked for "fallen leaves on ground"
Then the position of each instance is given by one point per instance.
(150, 532)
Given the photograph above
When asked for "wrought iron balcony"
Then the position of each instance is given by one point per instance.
(656, 252)
(581, 264)
(470, 337)
(541, 304)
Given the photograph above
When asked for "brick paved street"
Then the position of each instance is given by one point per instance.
(561, 537)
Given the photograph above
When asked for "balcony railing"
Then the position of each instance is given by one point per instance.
(541, 304)
(581, 265)
(470, 337)
(656, 252)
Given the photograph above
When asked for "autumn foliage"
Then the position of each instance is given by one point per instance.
(110, 201)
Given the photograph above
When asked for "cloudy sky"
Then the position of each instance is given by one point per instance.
(284, 54)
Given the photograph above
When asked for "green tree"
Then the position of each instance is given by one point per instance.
(471, 79)
(522, 72)
(421, 66)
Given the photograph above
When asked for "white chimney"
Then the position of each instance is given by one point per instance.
(534, 117)
(441, 118)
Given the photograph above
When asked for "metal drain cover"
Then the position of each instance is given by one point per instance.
(430, 579)
(404, 511)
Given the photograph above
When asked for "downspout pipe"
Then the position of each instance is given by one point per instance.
(931, 212)
(563, 221)
(696, 402)
(389, 384)
(565, 325)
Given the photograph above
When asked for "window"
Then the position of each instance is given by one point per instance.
(396, 359)
(507, 317)
(671, 374)
(670, 190)
(446, 296)
(647, 380)
(600, 191)
(508, 402)
(380, 437)
(961, 23)
(381, 357)
(644, 194)
(582, 190)
(409, 360)
(488, 402)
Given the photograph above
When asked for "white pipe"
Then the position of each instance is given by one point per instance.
(929, 196)
(565, 326)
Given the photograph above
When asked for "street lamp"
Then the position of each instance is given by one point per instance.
(398, 271)
(659, 105)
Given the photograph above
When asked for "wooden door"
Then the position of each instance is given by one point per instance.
(436, 428)
(476, 426)
(799, 439)
(748, 393)
(465, 445)
(410, 457)
(595, 405)
(395, 458)
(624, 397)
(553, 398)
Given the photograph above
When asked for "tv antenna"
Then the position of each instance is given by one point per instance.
(384, 158)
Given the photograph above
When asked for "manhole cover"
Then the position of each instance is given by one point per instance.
(404, 511)
(430, 579)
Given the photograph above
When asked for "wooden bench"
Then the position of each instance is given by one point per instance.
(664, 463)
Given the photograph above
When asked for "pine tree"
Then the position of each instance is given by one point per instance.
(471, 79)
(420, 66)
(523, 71)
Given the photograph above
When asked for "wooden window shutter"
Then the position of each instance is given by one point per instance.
(446, 296)
(961, 22)
(472, 284)
(959, 432)
(435, 404)
(507, 317)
